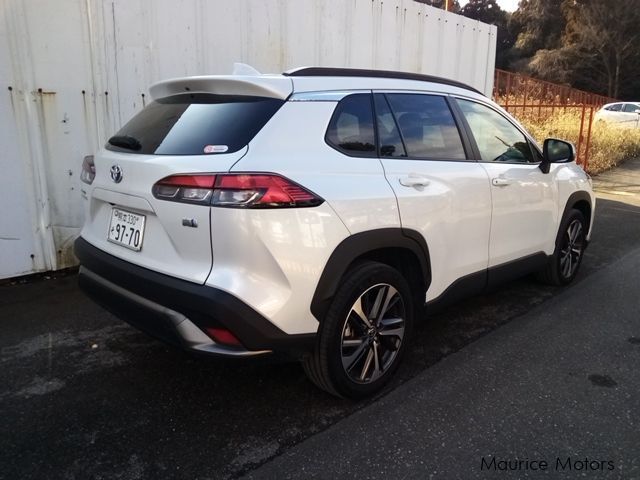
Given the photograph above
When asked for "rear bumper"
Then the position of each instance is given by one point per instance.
(178, 312)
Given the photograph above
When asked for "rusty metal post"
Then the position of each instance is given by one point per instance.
(581, 131)
(506, 101)
(585, 166)
(526, 92)
(543, 93)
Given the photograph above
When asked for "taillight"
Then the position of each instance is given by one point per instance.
(88, 172)
(185, 188)
(259, 190)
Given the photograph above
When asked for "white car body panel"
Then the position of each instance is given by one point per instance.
(524, 217)
(456, 190)
(272, 259)
(168, 247)
(571, 179)
(275, 86)
(355, 187)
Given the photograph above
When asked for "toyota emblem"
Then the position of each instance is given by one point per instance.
(116, 173)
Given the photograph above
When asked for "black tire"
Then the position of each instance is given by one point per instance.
(340, 364)
(562, 269)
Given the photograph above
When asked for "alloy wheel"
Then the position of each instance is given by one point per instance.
(372, 333)
(572, 248)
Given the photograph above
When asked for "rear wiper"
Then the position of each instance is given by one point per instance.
(125, 141)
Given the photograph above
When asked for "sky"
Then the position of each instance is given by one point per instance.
(508, 5)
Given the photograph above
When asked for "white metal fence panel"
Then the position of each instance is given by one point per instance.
(73, 71)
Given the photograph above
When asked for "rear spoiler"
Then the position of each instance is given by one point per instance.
(276, 86)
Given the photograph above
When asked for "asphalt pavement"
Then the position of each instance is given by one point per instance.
(83, 395)
(555, 393)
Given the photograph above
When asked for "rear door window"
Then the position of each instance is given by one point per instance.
(427, 126)
(195, 124)
(351, 127)
(388, 133)
(616, 107)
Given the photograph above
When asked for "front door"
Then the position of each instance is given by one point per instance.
(525, 213)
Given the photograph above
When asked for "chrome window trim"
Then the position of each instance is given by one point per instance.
(325, 96)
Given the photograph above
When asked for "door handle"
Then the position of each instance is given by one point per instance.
(414, 181)
(500, 182)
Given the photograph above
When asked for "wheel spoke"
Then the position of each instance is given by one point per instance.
(357, 309)
(575, 229)
(392, 327)
(349, 361)
(377, 368)
(393, 332)
(569, 266)
(391, 298)
(571, 231)
(375, 310)
(367, 364)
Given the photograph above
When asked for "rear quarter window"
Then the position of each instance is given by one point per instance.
(351, 129)
(193, 124)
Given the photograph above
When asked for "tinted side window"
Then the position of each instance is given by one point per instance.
(630, 107)
(191, 124)
(615, 107)
(351, 126)
(497, 138)
(427, 126)
(388, 134)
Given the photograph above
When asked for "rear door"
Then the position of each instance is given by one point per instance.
(441, 194)
(181, 134)
(615, 114)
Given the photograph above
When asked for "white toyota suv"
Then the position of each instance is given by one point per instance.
(318, 211)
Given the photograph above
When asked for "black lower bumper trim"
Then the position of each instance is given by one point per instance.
(204, 306)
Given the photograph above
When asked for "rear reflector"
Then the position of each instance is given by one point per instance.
(221, 335)
(235, 191)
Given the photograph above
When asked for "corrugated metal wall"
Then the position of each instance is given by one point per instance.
(73, 71)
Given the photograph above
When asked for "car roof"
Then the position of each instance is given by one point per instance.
(367, 73)
(309, 79)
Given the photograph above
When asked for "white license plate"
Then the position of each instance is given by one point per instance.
(126, 229)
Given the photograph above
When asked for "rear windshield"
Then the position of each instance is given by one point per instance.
(195, 124)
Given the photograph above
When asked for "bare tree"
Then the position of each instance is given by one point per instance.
(606, 35)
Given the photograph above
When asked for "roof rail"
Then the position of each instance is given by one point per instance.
(360, 72)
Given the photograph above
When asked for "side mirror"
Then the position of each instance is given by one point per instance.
(556, 151)
(637, 110)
